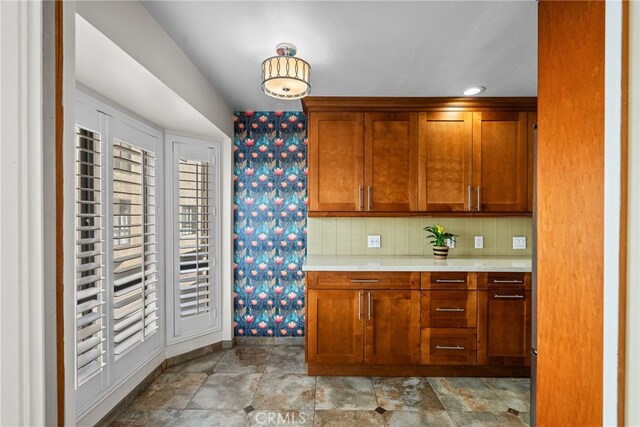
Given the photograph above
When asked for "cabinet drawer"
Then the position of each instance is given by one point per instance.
(448, 309)
(503, 280)
(362, 280)
(450, 280)
(442, 346)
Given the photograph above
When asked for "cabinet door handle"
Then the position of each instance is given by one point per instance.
(516, 281)
(451, 281)
(359, 305)
(369, 308)
(447, 347)
(364, 280)
(369, 197)
(469, 207)
(457, 309)
(360, 195)
(478, 190)
(509, 296)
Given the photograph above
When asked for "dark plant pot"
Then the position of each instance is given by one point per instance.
(440, 252)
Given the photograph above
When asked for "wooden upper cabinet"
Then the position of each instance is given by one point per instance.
(445, 161)
(390, 161)
(336, 155)
(399, 156)
(500, 162)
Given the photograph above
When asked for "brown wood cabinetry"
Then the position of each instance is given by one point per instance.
(448, 318)
(390, 162)
(432, 323)
(500, 166)
(363, 162)
(504, 319)
(334, 328)
(371, 318)
(336, 158)
(427, 155)
(474, 162)
(445, 147)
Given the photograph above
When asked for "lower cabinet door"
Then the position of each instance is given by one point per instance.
(334, 326)
(392, 327)
(504, 328)
(448, 346)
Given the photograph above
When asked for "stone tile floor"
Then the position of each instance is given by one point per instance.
(259, 386)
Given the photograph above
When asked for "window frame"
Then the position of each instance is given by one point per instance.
(183, 329)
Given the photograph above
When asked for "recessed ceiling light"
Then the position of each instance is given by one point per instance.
(474, 90)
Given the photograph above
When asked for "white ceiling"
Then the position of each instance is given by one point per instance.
(357, 48)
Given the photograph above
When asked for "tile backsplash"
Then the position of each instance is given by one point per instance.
(405, 236)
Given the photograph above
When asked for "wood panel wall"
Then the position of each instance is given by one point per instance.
(570, 191)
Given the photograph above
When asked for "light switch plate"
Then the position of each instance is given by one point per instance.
(451, 243)
(519, 242)
(373, 241)
(478, 242)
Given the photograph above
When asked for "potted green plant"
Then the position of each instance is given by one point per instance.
(439, 240)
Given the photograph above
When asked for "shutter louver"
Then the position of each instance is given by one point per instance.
(194, 227)
(134, 246)
(89, 254)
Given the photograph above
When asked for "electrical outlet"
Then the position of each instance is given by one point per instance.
(478, 242)
(519, 242)
(451, 243)
(373, 241)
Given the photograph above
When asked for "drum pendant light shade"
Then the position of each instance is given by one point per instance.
(285, 76)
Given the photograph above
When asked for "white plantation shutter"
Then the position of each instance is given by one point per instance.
(118, 287)
(195, 240)
(135, 254)
(194, 226)
(89, 253)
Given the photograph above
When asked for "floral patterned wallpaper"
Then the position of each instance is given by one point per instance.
(270, 225)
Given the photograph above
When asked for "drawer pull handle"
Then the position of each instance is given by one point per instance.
(446, 347)
(364, 280)
(457, 309)
(359, 305)
(451, 281)
(509, 296)
(517, 281)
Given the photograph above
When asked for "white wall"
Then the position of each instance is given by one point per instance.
(612, 207)
(132, 28)
(632, 409)
(22, 356)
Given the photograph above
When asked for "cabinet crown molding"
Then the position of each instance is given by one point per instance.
(339, 103)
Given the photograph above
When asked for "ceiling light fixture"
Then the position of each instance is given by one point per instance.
(474, 90)
(284, 76)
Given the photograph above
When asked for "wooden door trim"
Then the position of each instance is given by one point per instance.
(59, 188)
(624, 183)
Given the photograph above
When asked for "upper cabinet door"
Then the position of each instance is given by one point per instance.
(390, 162)
(500, 166)
(336, 153)
(445, 162)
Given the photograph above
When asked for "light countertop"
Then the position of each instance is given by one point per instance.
(415, 263)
